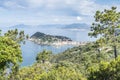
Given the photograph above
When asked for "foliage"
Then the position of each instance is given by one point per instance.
(62, 73)
(93, 61)
(15, 35)
(43, 56)
(106, 71)
(82, 54)
(30, 73)
(10, 55)
(37, 72)
(105, 26)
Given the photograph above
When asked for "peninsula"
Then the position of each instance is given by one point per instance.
(53, 40)
(45, 39)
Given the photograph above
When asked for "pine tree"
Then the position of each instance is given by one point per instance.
(105, 25)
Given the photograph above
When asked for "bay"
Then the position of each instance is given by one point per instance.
(30, 49)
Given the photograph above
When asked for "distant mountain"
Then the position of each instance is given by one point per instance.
(38, 26)
(61, 26)
(20, 26)
(77, 26)
(52, 25)
(42, 38)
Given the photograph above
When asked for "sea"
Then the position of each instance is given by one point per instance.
(31, 49)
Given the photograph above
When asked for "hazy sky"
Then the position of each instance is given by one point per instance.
(36, 12)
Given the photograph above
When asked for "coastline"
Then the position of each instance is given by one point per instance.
(57, 43)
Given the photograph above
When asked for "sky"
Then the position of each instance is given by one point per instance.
(35, 12)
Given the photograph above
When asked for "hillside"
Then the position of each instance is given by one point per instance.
(87, 53)
(42, 38)
(84, 56)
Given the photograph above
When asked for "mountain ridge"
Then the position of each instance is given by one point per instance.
(62, 26)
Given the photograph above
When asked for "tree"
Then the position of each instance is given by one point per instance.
(62, 73)
(16, 35)
(43, 56)
(106, 71)
(0, 32)
(10, 54)
(105, 25)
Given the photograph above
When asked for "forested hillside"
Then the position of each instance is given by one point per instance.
(98, 60)
(41, 38)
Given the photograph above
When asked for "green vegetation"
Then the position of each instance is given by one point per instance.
(10, 53)
(43, 56)
(106, 71)
(42, 38)
(37, 72)
(106, 24)
(93, 61)
(16, 36)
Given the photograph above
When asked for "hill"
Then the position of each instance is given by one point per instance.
(42, 38)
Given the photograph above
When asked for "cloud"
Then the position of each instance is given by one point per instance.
(35, 3)
(79, 18)
(12, 5)
(78, 7)
(84, 7)
(51, 11)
